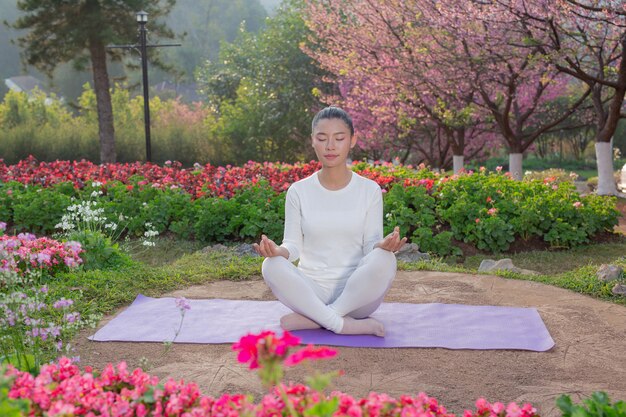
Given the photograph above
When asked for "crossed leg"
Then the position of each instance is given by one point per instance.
(349, 312)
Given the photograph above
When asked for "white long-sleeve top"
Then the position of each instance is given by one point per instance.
(330, 231)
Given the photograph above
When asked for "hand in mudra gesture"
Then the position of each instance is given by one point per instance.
(392, 241)
(268, 248)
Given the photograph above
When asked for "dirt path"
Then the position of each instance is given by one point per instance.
(590, 351)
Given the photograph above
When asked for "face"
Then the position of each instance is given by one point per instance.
(332, 142)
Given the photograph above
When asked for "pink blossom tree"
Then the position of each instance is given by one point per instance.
(586, 40)
(448, 65)
(376, 51)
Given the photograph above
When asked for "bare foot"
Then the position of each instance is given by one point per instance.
(295, 321)
(362, 326)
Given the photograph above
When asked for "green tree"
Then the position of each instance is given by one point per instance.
(65, 30)
(264, 88)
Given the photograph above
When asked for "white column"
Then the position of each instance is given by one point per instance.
(457, 163)
(515, 166)
(604, 158)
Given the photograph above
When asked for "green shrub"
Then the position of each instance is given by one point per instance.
(100, 251)
(598, 405)
(246, 215)
(38, 210)
(490, 211)
(412, 209)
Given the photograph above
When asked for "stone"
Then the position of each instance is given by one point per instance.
(215, 248)
(486, 265)
(506, 264)
(607, 273)
(245, 249)
(619, 289)
(410, 253)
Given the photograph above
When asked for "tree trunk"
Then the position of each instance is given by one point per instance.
(604, 158)
(515, 166)
(106, 130)
(457, 163)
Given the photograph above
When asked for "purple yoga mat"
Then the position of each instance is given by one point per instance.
(451, 326)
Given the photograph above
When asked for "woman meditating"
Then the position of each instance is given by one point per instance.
(334, 226)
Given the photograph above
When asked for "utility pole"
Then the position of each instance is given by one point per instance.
(142, 19)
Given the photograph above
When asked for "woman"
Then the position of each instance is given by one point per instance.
(333, 225)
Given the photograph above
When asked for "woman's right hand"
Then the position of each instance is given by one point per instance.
(269, 249)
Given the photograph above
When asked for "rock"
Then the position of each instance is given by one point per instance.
(608, 273)
(486, 265)
(245, 249)
(619, 289)
(215, 248)
(506, 264)
(410, 253)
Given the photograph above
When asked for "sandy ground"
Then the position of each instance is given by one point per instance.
(590, 351)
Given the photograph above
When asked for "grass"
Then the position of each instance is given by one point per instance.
(177, 264)
(557, 262)
(169, 266)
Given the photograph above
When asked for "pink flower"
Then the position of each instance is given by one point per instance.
(285, 342)
(578, 204)
(498, 168)
(248, 350)
(513, 410)
(477, 220)
(310, 352)
(497, 407)
(492, 211)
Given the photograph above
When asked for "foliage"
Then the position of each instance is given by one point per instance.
(413, 210)
(37, 209)
(244, 216)
(599, 404)
(86, 223)
(490, 210)
(263, 85)
(45, 128)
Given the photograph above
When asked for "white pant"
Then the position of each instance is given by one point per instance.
(358, 296)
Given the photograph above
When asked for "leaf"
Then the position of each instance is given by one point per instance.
(323, 408)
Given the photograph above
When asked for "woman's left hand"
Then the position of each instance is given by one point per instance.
(392, 241)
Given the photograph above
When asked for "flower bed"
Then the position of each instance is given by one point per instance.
(488, 210)
(199, 181)
(26, 252)
(63, 389)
